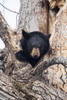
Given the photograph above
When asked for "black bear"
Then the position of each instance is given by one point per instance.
(35, 45)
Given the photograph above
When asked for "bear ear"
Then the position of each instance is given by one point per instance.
(25, 34)
(48, 36)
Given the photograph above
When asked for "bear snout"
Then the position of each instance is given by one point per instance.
(35, 53)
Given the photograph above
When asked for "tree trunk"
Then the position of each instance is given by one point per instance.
(33, 15)
(19, 81)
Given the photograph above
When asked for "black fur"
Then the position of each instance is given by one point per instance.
(30, 40)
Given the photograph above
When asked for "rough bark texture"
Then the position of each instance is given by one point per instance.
(58, 3)
(47, 81)
(59, 47)
(33, 15)
(55, 6)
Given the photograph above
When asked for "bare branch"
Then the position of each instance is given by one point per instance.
(56, 60)
(8, 9)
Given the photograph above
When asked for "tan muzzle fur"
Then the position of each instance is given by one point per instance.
(35, 51)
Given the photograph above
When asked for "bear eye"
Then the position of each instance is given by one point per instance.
(39, 46)
(32, 46)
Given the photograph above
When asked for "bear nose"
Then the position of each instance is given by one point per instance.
(35, 55)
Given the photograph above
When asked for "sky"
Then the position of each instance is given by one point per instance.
(10, 17)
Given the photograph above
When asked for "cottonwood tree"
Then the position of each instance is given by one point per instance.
(47, 80)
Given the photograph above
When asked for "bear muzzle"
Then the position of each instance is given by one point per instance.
(35, 53)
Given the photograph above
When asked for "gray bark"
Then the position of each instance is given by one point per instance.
(33, 15)
(19, 81)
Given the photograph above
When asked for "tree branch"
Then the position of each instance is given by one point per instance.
(56, 60)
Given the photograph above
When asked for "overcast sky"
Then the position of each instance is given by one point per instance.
(9, 16)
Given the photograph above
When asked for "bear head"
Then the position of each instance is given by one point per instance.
(35, 44)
